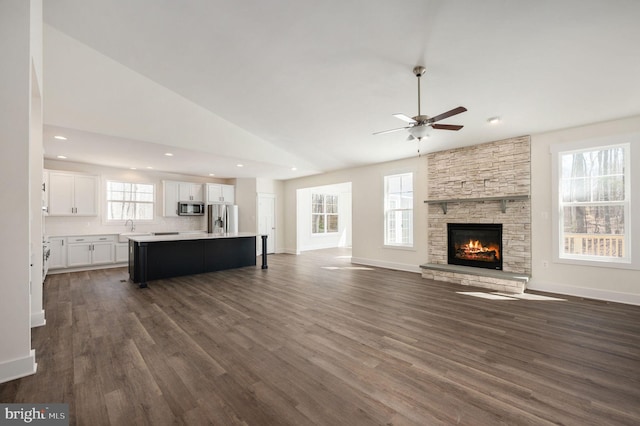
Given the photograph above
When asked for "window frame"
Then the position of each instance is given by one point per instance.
(630, 260)
(106, 201)
(387, 211)
(324, 214)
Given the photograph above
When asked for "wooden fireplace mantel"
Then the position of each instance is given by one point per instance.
(503, 201)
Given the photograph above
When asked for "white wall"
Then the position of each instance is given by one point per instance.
(96, 225)
(309, 241)
(19, 20)
(247, 202)
(586, 281)
(367, 184)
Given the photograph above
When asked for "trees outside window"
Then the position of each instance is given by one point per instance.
(594, 203)
(324, 213)
(398, 210)
(127, 200)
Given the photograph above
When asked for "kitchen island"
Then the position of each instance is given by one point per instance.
(153, 257)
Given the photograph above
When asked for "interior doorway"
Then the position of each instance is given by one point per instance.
(267, 221)
(324, 217)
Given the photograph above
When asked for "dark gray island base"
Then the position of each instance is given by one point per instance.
(157, 257)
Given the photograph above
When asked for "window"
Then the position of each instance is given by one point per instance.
(324, 213)
(594, 204)
(126, 200)
(398, 210)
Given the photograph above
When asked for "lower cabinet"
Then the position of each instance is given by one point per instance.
(90, 250)
(58, 256)
(122, 252)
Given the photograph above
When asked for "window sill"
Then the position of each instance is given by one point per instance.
(619, 264)
(394, 247)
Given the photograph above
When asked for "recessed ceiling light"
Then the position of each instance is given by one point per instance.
(294, 169)
(168, 154)
(494, 120)
(240, 165)
(149, 167)
(133, 168)
(62, 138)
(212, 174)
(62, 157)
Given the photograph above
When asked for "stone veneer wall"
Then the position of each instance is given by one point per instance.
(493, 169)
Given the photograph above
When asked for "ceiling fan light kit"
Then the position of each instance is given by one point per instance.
(418, 127)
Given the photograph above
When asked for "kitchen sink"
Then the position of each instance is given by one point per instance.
(124, 237)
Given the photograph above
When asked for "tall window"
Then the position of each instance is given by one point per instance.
(324, 213)
(594, 204)
(398, 210)
(127, 200)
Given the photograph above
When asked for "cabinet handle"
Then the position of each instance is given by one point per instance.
(103, 239)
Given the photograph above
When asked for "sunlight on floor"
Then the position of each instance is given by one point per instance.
(509, 296)
(357, 268)
(485, 295)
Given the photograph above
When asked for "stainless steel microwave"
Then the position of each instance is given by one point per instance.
(190, 208)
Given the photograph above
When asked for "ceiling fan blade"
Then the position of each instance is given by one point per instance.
(391, 130)
(446, 126)
(405, 117)
(447, 114)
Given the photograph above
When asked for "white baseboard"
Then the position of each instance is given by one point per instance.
(86, 268)
(17, 368)
(37, 319)
(589, 293)
(387, 265)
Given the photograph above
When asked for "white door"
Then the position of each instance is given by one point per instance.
(267, 221)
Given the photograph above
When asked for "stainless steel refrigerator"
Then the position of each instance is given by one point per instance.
(222, 218)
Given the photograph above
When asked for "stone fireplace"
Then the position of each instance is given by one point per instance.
(485, 184)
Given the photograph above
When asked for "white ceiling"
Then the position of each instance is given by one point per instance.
(281, 83)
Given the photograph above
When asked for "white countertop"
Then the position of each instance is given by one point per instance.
(187, 237)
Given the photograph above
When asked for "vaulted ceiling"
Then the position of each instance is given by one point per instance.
(283, 84)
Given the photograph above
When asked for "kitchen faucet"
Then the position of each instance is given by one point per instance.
(133, 227)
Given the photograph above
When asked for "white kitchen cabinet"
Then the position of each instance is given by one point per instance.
(170, 194)
(190, 192)
(122, 252)
(175, 192)
(90, 250)
(58, 256)
(45, 192)
(219, 193)
(72, 194)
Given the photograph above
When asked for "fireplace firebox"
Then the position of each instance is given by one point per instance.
(475, 244)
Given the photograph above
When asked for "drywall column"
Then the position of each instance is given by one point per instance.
(36, 165)
(16, 357)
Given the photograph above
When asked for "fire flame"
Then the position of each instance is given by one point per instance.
(475, 246)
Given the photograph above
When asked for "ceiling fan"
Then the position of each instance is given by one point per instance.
(419, 125)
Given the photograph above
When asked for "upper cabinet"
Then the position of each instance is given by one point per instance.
(220, 193)
(175, 192)
(72, 194)
(190, 191)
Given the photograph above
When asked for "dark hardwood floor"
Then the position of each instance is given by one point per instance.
(316, 340)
